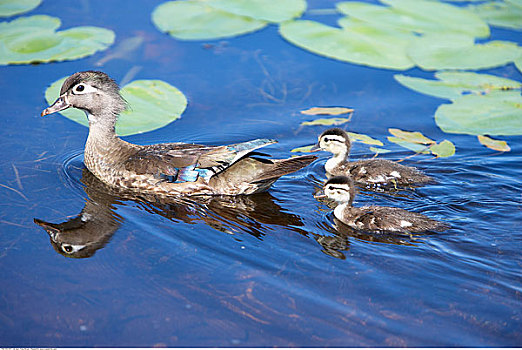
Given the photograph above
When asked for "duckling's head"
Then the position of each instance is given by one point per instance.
(334, 140)
(340, 189)
(93, 92)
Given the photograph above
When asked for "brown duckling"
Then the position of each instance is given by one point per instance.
(369, 172)
(374, 218)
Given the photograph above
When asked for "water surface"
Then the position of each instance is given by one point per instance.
(272, 269)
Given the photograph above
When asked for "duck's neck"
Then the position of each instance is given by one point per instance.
(103, 149)
(335, 161)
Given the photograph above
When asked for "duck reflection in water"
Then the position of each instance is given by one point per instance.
(92, 229)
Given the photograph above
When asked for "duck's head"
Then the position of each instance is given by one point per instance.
(93, 92)
(335, 141)
(340, 189)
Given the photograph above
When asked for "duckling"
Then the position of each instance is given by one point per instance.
(167, 169)
(368, 172)
(374, 218)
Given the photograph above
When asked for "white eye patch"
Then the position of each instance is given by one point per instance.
(71, 248)
(82, 88)
(328, 138)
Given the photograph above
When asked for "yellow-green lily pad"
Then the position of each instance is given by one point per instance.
(497, 145)
(327, 121)
(327, 111)
(364, 139)
(437, 52)
(496, 113)
(197, 20)
(152, 105)
(34, 39)
(15, 7)
(415, 147)
(443, 149)
(413, 137)
(378, 150)
(452, 85)
(304, 149)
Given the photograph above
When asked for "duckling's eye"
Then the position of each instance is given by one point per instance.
(67, 248)
(80, 88)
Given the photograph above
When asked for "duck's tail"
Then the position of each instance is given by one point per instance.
(251, 175)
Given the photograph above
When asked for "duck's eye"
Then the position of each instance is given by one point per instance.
(83, 89)
(67, 248)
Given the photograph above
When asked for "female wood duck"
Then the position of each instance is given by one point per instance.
(167, 169)
(374, 218)
(369, 172)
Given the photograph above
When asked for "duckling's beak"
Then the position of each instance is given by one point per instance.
(315, 148)
(59, 105)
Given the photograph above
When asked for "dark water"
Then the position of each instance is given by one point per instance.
(266, 270)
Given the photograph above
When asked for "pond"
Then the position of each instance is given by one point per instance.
(271, 269)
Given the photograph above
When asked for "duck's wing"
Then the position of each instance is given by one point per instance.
(181, 162)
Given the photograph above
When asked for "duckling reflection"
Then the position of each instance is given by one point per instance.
(92, 229)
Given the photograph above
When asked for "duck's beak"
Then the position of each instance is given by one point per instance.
(59, 105)
(315, 148)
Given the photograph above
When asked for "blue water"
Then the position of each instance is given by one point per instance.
(268, 270)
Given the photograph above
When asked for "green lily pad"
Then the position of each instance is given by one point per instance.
(437, 52)
(34, 39)
(452, 85)
(15, 7)
(418, 16)
(496, 145)
(327, 121)
(153, 104)
(364, 139)
(360, 45)
(496, 113)
(518, 63)
(500, 14)
(443, 149)
(197, 20)
(263, 10)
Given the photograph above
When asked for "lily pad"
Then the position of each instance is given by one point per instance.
(418, 16)
(15, 7)
(327, 121)
(34, 39)
(437, 52)
(264, 10)
(415, 147)
(327, 111)
(364, 139)
(197, 20)
(304, 149)
(500, 14)
(452, 85)
(414, 137)
(360, 45)
(496, 113)
(496, 145)
(378, 150)
(443, 149)
(153, 104)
